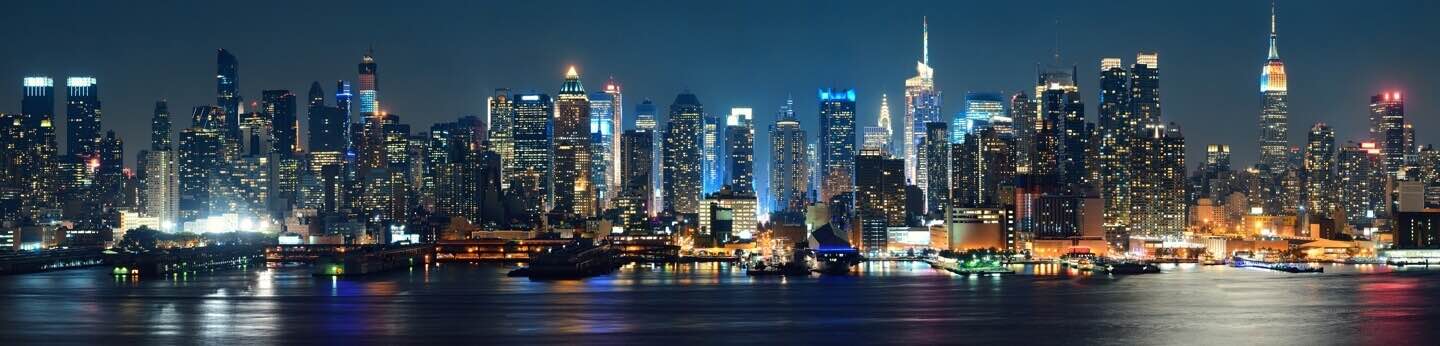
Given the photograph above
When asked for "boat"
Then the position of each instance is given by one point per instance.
(1131, 268)
(795, 265)
(577, 260)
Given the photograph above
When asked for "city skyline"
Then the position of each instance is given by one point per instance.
(959, 46)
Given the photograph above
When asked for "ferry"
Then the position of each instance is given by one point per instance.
(577, 260)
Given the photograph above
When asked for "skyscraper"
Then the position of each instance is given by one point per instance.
(1158, 203)
(837, 142)
(32, 163)
(199, 155)
(279, 107)
(1026, 117)
(980, 109)
(682, 155)
(1387, 129)
(740, 149)
(161, 184)
(606, 109)
(82, 116)
(574, 194)
(922, 105)
(789, 168)
(636, 170)
(1118, 132)
(227, 91)
(328, 126)
(710, 152)
(1061, 136)
(937, 168)
(1320, 172)
(1274, 113)
(617, 125)
(531, 178)
(1361, 183)
(879, 197)
(369, 85)
(645, 120)
(501, 112)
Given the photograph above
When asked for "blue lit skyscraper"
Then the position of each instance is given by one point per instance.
(604, 164)
(369, 84)
(980, 108)
(227, 91)
(837, 142)
(645, 120)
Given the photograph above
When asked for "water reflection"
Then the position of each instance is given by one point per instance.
(892, 302)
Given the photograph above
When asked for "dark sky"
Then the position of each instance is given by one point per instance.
(439, 60)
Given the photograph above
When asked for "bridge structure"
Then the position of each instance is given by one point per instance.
(49, 260)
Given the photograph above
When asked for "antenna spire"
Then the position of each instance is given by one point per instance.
(1274, 53)
(925, 39)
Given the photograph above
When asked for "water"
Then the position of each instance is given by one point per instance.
(906, 303)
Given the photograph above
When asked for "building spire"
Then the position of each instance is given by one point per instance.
(1274, 53)
(925, 40)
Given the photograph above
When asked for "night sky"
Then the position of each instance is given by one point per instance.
(439, 60)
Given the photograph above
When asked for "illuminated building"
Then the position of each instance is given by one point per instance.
(980, 229)
(161, 186)
(1026, 117)
(682, 155)
(1158, 203)
(1117, 139)
(1417, 230)
(936, 149)
(1061, 136)
(837, 142)
(1320, 175)
(368, 85)
(606, 118)
(531, 176)
(1361, 182)
(31, 149)
(980, 109)
(1274, 113)
(710, 158)
(342, 101)
(227, 92)
(501, 112)
(1387, 129)
(573, 192)
(740, 205)
(922, 105)
(879, 197)
(82, 117)
(385, 179)
(454, 170)
(740, 148)
(884, 123)
(198, 159)
(645, 120)
(110, 174)
(789, 166)
(980, 166)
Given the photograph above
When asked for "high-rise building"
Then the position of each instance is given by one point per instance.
(922, 105)
(1158, 202)
(1061, 138)
(603, 144)
(1275, 108)
(878, 136)
(885, 123)
(327, 125)
(710, 152)
(31, 150)
(980, 109)
(740, 149)
(368, 87)
(682, 155)
(879, 197)
(501, 112)
(837, 142)
(1320, 172)
(279, 107)
(617, 125)
(937, 168)
(531, 178)
(789, 166)
(1026, 118)
(161, 186)
(1387, 129)
(227, 91)
(645, 120)
(573, 192)
(1118, 132)
(82, 116)
(199, 157)
(637, 166)
(1361, 177)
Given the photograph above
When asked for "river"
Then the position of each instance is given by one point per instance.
(883, 302)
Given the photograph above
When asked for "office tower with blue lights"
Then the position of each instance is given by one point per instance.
(789, 165)
(837, 142)
(712, 129)
(980, 109)
(82, 117)
(530, 179)
(604, 143)
(740, 150)
(227, 91)
(922, 105)
(574, 194)
(682, 166)
(1275, 107)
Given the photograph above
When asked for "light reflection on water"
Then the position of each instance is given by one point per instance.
(892, 302)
